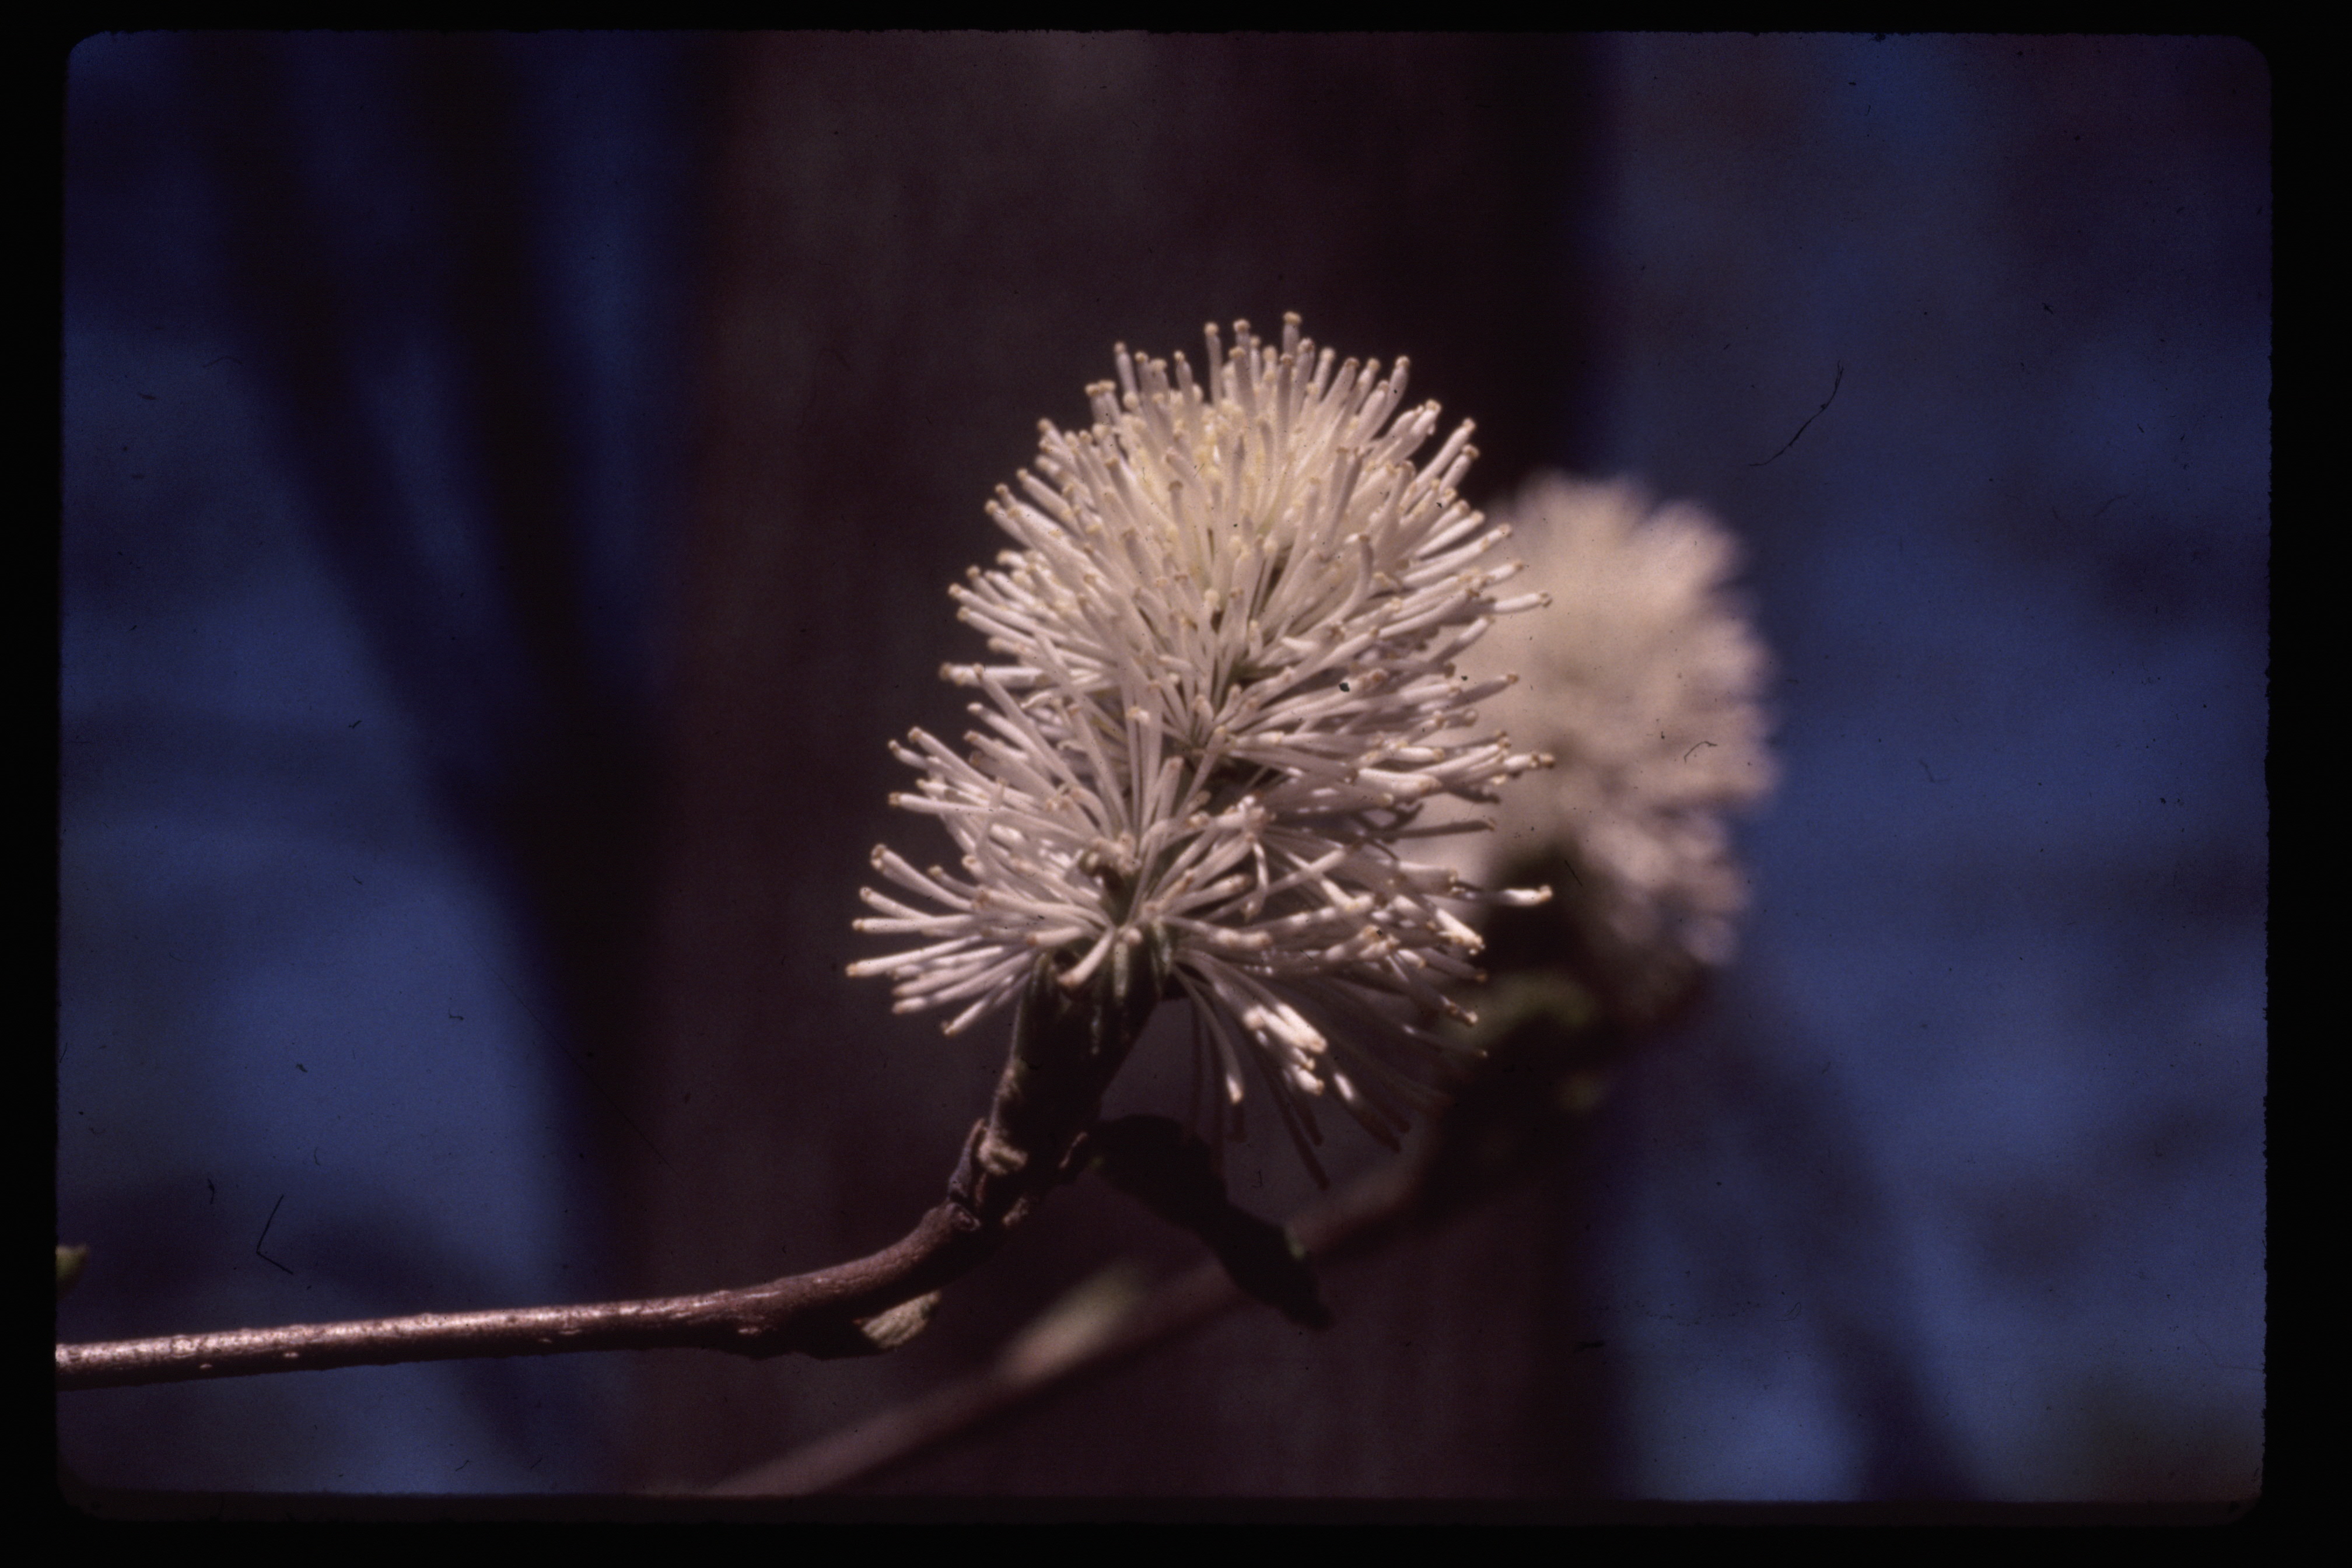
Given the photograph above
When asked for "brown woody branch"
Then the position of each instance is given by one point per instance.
(1063, 1346)
(849, 1309)
(1066, 1046)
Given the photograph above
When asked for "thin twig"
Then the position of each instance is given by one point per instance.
(1058, 1348)
(1066, 1046)
(833, 1311)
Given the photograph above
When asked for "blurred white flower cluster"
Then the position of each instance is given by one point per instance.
(1232, 625)
(1643, 680)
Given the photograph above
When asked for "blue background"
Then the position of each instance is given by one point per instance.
(1978, 1129)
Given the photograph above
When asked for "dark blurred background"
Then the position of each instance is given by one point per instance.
(510, 483)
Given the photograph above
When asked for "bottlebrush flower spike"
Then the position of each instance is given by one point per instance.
(1645, 678)
(1230, 693)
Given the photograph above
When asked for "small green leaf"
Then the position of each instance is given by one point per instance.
(1155, 1162)
(69, 1262)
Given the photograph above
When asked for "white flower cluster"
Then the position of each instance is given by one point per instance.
(1644, 679)
(1232, 627)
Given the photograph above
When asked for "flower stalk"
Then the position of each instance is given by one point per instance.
(1066, 1048)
